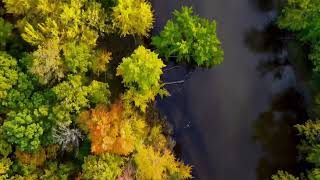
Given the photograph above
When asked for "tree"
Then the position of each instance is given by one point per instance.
(55, 171)
(46, 62)
(132, 17)
(310, 135)
(141, 75)
(77, 57)
(99, 92)
(18, 7)
(156, 138)
(51, 99)
(37, 158)
(26, 112)
(5, 164)
(314, 174)
(108, 130)
(310, 146)
(5, 150)
(100, 62)
(65, 136)
(154, 165)
(282, 175)
(22, 129)
(95, 15)
(5, 147)
(8, 73)
(5, 32)
(65, 33)
(189, 38)
(66, 21)
(105, 166)
(302, 17)
(72, 97)
(18, 97)
(52, 170)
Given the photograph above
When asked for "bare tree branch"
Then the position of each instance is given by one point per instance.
(174, 82)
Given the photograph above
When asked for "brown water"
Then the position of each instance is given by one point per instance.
(235, 120)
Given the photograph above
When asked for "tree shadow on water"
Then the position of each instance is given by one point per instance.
(273, 44)
(266, 39)
(274, 65)
(267, 5)
(274, 131)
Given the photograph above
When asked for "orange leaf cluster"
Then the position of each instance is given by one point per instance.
(106, 130)
(39, 157)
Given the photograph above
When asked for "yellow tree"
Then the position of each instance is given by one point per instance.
(133, 17)
(8, 73)
(156, 165)
(141, 74)
(65, 33)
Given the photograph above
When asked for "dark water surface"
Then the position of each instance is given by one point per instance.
(235, 121)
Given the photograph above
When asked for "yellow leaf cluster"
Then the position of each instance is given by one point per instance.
(5, 164)
(100, 63)
(128, 18)
(74, 20)
(156, 165)
(18, 7)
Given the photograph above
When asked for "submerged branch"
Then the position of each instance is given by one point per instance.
(174, 82)
(173, 67)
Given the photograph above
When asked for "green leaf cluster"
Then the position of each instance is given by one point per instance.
(303, 18)
(8, 73)
(191, 39)
(72, 97)
(141, 75)
(5, 32)
(310, 146)
(106, 166)
(77, 57)
(22, 129)
(25, 111)
(282, 175)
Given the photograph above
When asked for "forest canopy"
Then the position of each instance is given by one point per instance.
(71, 107)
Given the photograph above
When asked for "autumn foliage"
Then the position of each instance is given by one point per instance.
(57, 84)
(106, 130)
(39, 157)
(36, 159)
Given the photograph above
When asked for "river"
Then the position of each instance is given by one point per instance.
(235, 120)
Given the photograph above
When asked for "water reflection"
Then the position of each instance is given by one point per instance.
(275, 133)
(271, 41)
(273, 129)
(265, 39)
(266, 5)
(275, 65)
